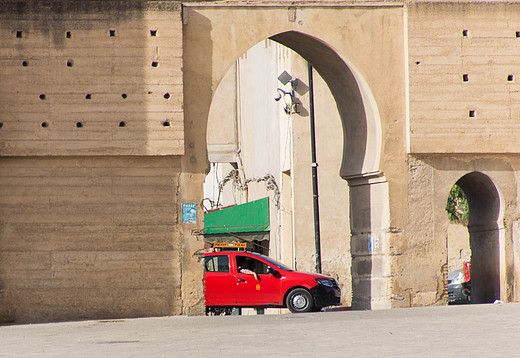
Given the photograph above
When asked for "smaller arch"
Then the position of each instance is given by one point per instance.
(486, 234)
(483, 199)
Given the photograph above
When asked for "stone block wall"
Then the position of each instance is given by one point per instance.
(91, 141)
(91, 78)
(464, 79)
(88, 238)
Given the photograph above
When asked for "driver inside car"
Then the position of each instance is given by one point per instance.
(244, 267)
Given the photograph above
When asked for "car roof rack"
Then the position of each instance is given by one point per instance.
(229, 246)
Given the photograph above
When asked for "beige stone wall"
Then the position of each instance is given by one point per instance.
(90, 221)
(89, 238)
(419, 267)
(462, 99)
(464, 79)
(91, 166)
(458, 246)
(84, 78)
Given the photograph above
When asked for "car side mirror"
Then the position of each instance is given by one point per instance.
(270, 270)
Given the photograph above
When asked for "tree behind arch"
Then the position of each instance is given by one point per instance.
(457, 206)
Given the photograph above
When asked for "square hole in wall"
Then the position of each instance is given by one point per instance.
(517, 34)
(19, 34)
(465, 33)
(510, 78)
(153, 33)
(465, 77)
(112, 33)
(471, 113)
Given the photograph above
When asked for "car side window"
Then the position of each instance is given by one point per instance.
(253, 264)
(218, 263)
(261, 268)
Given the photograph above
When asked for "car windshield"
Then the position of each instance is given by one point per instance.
(274, 262)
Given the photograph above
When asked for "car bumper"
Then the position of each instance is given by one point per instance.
(326, 296)
(458, 293)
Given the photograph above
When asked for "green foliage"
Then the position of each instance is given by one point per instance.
(457, 206)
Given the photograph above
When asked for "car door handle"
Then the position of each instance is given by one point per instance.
(241, 280)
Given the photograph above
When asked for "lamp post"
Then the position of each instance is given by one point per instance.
(289, 109)
(314, 166)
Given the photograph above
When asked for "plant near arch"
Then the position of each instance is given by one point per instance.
(457, 206)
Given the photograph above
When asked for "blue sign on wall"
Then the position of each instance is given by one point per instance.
(189, 213)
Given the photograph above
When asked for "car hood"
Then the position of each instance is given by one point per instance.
(313, 275)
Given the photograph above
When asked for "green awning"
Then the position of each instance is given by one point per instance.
(244, 218)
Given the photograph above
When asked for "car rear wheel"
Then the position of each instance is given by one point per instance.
(299, 300)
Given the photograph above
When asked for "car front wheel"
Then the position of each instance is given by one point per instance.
(299, 300)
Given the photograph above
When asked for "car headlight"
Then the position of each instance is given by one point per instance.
(325, 282)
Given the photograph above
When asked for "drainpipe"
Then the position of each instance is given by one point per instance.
(314, 167)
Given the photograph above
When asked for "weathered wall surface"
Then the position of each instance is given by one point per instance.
(96, 109)
(431, 178)
(462, 98)
(458, 246)
(91, 169)
(88, 238)
(84, 78)
(464, 80)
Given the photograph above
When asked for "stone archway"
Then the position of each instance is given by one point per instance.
(212, 46)
(486, 234)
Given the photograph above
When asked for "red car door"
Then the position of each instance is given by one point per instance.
(253, 292)
(219, 281)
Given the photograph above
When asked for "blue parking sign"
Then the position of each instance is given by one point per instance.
(189, 213)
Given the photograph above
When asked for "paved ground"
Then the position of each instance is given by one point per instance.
(458, 331)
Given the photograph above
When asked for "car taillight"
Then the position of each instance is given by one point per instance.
(466, 269)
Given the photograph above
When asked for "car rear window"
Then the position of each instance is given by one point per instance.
(217, 263)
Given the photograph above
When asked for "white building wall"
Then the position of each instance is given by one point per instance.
(269, 141)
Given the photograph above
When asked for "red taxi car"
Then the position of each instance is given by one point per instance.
(267, 283)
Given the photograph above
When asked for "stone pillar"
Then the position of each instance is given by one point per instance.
(370, 222)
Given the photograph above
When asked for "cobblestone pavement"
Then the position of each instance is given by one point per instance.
(463, 331)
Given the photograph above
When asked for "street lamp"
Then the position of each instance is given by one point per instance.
(291, 103)
(285, 78)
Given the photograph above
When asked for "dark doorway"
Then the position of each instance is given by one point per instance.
(483, 201)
